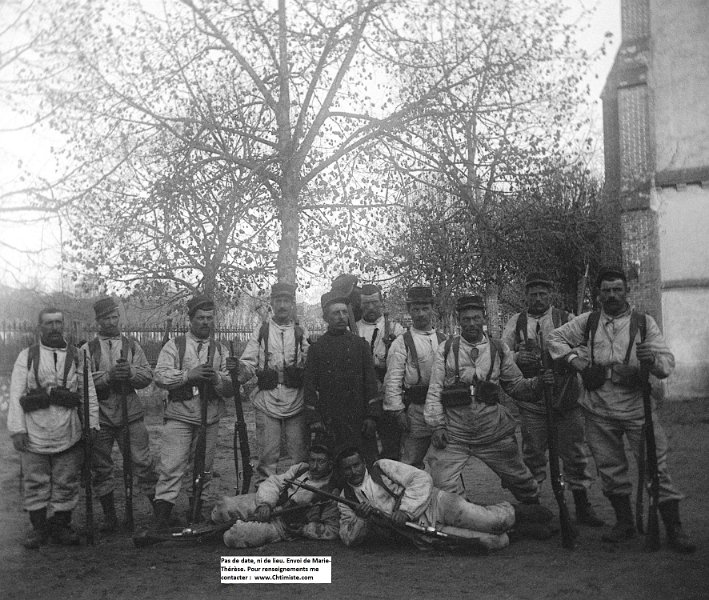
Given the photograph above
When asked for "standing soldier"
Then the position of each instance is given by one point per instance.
(119, 368)
(340, 382)
(276, 354)
(46, 396)
(463, 407)
(375, 329)
(608, 347)
(521, 334)
(408, 374)
(183, 369)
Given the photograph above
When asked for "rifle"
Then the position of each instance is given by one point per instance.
(200, 451)
(87, 455)
(582, 295)
(127, 454)
(652, 541)
(241, 438)
(166, 335)
(568, 533)
(409, 529)
(206, 531)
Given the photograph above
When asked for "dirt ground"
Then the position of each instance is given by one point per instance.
(113, 568)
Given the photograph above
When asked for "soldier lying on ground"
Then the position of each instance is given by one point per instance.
(406, 494)
(257, 521)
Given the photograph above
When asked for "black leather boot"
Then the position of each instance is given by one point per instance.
(677, 539)
(624, 529)
(162, 510)
(39, 534)
(110, 524)
(585, 515)
(60, 530)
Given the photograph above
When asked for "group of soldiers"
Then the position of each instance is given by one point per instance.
(379, 422)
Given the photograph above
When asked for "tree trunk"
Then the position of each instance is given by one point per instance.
(287, 261)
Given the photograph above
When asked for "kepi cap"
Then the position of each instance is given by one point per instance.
(104, 306)
(199, 302)
(419, 294)
(610, 272)
(537, 278)
(370, 288)
(465, 302)
(282, 289)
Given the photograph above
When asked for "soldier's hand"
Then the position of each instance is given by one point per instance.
(231, 363)
(527, 358)
(369, 429)
(402, 420)
(263, 513)
(21, 441)
(119, 372)
(645, 354)
(439, 439)
(547, 377)
(200, 374)
(364, 510)
(578, 364)
(399, 517)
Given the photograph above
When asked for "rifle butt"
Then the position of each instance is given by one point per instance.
(652, 539)
(127, 462)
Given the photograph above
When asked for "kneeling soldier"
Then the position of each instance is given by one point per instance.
(463, 407)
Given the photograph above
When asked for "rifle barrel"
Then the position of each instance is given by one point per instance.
(87, 454)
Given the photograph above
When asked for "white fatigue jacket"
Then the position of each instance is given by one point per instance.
(110, 411)
(476, 423)
(169, 376)
(57, 428)
(417, 488)
(366, 330)
(401, 367)
(270, 490)
(282, 401)
(509, 336)
(609, 348)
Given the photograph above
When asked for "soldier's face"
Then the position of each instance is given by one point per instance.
(282, 308)
(538, 299)
(471, 322)
(201, 323)
(51, 329)
(421, 316)
(372, 307)
(108, 324)
(320, 465)
(337, 316)
(353, 470)
(613, 296)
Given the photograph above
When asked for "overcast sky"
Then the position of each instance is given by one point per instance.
(42, 239)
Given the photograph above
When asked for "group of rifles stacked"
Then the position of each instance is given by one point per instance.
(379, 422)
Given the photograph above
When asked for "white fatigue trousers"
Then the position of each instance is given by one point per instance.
(102, 461)
(571, 442)
(452, 514)
(605, 438)
(177, 458)
(51, 480)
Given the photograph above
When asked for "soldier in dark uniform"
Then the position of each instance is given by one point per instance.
(340, 381)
